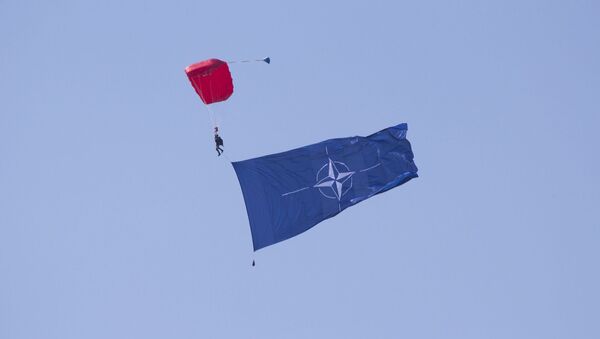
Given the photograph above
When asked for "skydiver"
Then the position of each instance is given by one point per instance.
(218, 142)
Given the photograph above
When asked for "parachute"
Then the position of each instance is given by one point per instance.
(211, 79)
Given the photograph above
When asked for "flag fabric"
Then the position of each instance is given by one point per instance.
(287, 193)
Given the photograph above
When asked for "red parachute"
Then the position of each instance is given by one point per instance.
(211, 79)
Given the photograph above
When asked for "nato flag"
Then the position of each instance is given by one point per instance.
(288, 193)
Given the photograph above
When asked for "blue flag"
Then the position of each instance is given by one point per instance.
(288, 193)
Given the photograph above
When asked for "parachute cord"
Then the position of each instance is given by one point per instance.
(213, 116)
(242, 61)
(226, 157)
(266, 60)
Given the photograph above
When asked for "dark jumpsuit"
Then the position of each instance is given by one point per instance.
(218, 143)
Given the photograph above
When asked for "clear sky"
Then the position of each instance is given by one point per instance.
(117, 220)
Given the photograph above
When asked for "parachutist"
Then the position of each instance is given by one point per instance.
(218, 142)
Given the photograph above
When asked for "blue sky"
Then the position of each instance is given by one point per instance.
(117, 220)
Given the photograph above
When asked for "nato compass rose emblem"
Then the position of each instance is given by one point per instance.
(334, 179)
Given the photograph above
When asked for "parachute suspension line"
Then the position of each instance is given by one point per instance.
(212, 116)
(267, 60)
(226, 157)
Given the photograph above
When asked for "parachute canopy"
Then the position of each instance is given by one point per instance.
(211, 79)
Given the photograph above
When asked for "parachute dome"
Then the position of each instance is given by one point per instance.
(211, 80)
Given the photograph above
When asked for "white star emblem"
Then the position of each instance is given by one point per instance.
(334, 179)
(335, 183)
